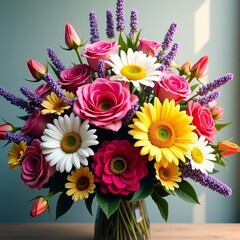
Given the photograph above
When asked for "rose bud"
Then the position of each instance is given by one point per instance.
(71, 37)
(185, 68)
(227, 148)
(39, 206)
(198, 69)
(37, 69)
(217, 112)
(5, 128)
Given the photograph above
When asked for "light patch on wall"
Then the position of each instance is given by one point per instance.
(199, 210)
(201, 26)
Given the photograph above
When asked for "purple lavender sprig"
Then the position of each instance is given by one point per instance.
(169, 36)
(126, 120)
(32, 96)
(17, 101)
(205, 180)
(93, 27)
(169, 58)
(55, 60)
(120, 6)
(101, 69)
(110, 24)
(17, 138)
(205, 100)
(209, 87)
(133, 22)
(56, 88)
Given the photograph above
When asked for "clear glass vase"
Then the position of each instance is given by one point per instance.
(129, 222)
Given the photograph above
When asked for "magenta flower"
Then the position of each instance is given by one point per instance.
(35, 169)
(119, 167)
(104, 103)
(72, 78)
(36, 123)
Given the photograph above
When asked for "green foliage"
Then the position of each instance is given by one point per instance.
(162, 205)
(64, 203)
(88, 202)
(108, 203)
(186, 192)
(146, 189)
(219, 126)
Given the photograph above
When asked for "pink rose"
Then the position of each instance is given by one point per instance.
(43, 90)
(148, 47)
(172, 86)
(99, 50)
(35, 124)
(104, 103)
(203, 120)
(74, 77)
(35, 169)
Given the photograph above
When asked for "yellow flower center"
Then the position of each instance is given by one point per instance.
(161, 134)
(70, 142)
(197, 155)
(105, 105)
(118, 165)
(133, 72)
(164, 174)
(82, 183)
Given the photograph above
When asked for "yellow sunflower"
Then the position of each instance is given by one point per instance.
(80, 183)
(56, 105)
(163, 131)
(16, 154)
(168, 176)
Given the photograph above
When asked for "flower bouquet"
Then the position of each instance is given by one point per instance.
(124, 123)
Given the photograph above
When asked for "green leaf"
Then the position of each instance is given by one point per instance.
(186, 192)
(162, 205)
(219, 126)
(193, 87)
(136, 40)
(146, 189)
(161, 191)
(88, 202)
(108, 203)
(122, 43)
(54, 70)
(64, 203)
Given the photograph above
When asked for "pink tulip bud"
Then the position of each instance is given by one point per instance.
(185, 68)
(199, 68)
(37, 69)
(5, 128)
(39, 206)
(217, 112)
(71, 38)
(227, 148)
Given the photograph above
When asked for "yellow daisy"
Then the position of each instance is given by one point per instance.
(163, 131)
(56, 105)
(80, 183)
(168, 176)
(16, 154)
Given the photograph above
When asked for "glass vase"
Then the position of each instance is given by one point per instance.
(129, 222)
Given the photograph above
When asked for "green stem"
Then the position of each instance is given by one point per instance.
(78, 54)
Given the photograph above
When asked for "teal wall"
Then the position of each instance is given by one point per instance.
(28, 27)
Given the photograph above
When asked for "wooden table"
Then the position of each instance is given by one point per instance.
(69, 231)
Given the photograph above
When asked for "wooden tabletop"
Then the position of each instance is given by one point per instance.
(69, 231)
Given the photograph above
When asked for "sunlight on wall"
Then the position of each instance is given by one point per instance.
(201, 38)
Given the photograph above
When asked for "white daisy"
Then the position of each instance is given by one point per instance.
(202, 156)
(66, 142)
(135, 67)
